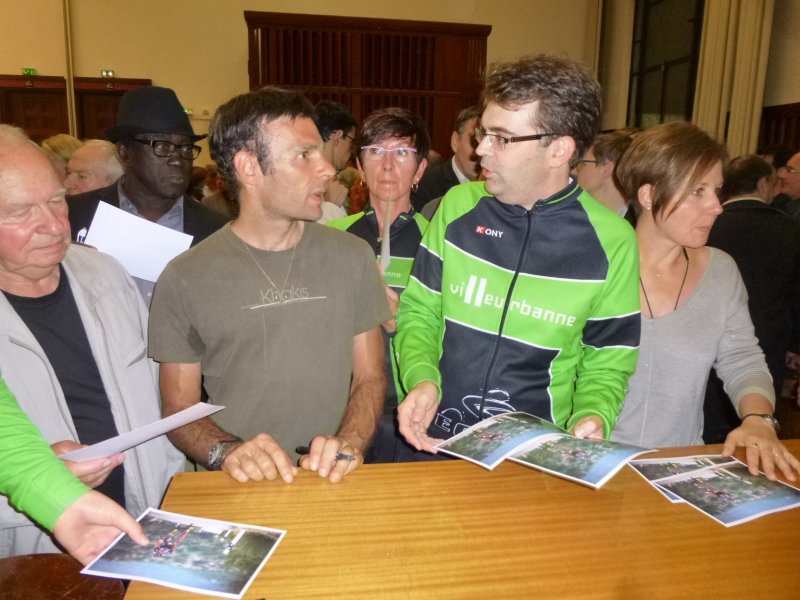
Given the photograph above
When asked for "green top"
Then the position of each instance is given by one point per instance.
(34, 480)
(405, 235)
(529, 310)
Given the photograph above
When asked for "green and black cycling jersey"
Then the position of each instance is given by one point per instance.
(510, 309)
(405, 235)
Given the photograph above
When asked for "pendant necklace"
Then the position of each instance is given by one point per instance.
(680, 290)
(264, 273)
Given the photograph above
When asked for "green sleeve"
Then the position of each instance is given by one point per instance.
(35, 481)
(603, 371)
(418, 343)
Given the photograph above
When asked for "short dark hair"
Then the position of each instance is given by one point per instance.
(743, 173)
(395, 122)
(237, 126)
(664, 156)
(781, 154)
(567, 96)
(465, 116)
(609, 146)
(331, 116)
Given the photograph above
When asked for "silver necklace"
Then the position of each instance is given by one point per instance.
(680, 289)
(264, 273)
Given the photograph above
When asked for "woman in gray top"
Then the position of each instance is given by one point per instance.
(694, 305)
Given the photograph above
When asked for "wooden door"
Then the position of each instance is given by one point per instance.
(97, 101)
(37, 104)
(434, 69)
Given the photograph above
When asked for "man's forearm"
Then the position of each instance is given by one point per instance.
(367, 391)
(180, 389)
(196, 439)
(363, 411)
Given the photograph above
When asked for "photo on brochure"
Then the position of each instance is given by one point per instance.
(537, 443)
(206, 556)
(730, 494)
(652, 469)
(487, 443)
(588, 462)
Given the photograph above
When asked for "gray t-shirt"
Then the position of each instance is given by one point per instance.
(280, 359)
(664, 404)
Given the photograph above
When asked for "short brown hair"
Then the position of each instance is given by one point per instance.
(566, 93)
(465, 116)
(236, 125)
(743, 173)
(395, 122)
(663, 157)
(609, 146)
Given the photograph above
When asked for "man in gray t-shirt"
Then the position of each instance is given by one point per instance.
(278, 315)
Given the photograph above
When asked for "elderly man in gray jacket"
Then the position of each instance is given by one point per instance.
(72, 344)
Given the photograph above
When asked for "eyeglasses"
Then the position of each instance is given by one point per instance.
(164, 149)
(502, 141)
(377, 153)
(349, 137)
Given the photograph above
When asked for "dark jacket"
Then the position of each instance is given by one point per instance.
(765, 244)
(434, 184)
(787, 204)
(198, 221)
(630, 216)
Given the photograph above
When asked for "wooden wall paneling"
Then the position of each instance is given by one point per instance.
(254, 49)
(780, 125)
(41, 113)
(432, 68)
(37, 104)
(355, 73)
(97, 101)
(456, 88)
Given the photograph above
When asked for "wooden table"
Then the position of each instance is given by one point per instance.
(53, 577)
(454, 530)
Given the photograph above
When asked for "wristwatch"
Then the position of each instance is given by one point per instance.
(768, 418)
(218, 452)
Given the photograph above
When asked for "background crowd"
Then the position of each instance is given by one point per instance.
(351, 299)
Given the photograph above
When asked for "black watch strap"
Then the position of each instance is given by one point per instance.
(768, 418)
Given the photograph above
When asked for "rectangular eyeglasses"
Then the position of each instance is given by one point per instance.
(165, 149)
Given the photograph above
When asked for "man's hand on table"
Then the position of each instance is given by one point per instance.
(415, 414)
(259, 458)
(322, 457)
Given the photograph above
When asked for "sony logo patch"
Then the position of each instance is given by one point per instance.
(483, 230)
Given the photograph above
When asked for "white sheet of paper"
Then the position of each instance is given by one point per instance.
(140, 435)
(143, 247)
(386, 249)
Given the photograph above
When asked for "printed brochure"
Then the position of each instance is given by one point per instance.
(534, 442)
(720, 487)
(187, 553)
(652, 469)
